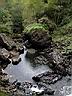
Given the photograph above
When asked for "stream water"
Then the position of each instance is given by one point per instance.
(25, 70)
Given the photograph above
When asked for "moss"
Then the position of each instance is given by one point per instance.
(34, 26)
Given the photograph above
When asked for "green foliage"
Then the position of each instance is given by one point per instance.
(34, 26)
(63, 36)
(17, 19)
(3, 94)
(31, 8)
(20, 13)
(61, 12)
(5, 20)
(52, 3)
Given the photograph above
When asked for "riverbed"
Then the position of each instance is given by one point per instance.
(25, 70)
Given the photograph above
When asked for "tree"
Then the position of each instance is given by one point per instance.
(5, 21)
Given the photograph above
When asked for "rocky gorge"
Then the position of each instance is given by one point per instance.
(41, 51)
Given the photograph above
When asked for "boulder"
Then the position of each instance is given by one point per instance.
(4, 57)
(38, 38)
(31, 53)
(47, 77)
(6, 42)
(51, 25)
(16, 60)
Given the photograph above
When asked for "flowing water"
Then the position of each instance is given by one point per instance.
(25, 70)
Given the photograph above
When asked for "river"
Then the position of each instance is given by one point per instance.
(25, 70)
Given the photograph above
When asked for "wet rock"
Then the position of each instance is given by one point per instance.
(27, 44)
(18, 85)
(38, 38)
(57, 62)
(42, 88)
(15, 57)
(36, 78)
(49, 91)
(16, 60)
(31, 53)
(68, 79)
(47, 77)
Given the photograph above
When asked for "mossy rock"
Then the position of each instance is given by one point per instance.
(50, 25)
(33, 26)
(39, 38)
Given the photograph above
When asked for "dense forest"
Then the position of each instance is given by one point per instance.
(17, 15)
(43, 26)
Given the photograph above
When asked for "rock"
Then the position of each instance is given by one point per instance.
(38, 38)
(47, 88)
(15, 57)
(6, 42)
(21, 50)
(36, 78)
(4, 54)
(4, 81)
(31, 53)
(40, 60)
(55, 57)
(49, 91)
(47, 78)
(51, 25)
(16, 60)
(27, 44)
(57, 62)
(18, 85)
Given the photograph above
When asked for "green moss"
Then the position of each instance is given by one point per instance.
(34, 26)
(3, 94)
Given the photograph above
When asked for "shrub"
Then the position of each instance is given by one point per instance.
(5, 21)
